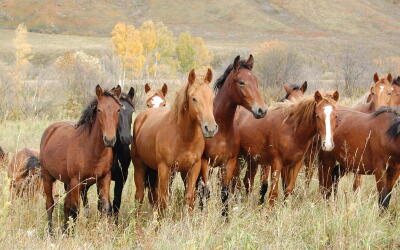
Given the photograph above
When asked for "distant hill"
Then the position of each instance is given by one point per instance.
(314, 26)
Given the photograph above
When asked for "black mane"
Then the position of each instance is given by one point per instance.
(221, 80)
(394, 128)
(89, 113)
(125, 97)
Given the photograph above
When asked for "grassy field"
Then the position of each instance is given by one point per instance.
(305, 221)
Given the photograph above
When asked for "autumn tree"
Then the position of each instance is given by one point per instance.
(22, 52)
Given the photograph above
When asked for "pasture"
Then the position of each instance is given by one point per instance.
(304, 221)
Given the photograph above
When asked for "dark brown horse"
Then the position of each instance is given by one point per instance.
(156, 98)
(121, 152)
(172, 139)
(366, 144)
(282, 137)
(380, 95)
(238, 86)
(24, 173)
(81, 154)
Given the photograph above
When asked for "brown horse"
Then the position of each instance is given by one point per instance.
(24, 173)
(395, 97)
(365, 144)
(281, 138)
(156, 98)
(237, 86)
(166, 140)
(380, 95)
(81, 154)
(294, 91)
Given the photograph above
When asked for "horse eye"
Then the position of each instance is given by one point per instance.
(317, 116)
(241, 83)
(98, 110)
(194, 99)
(389, 93)
(119, 110)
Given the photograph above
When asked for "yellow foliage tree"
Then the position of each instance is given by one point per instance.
(22, 52)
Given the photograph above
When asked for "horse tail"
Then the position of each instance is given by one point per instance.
(150, 178)
(32, 165)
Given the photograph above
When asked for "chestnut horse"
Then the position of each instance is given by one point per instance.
(238, 86)
(24, 173)
(81, 154)
(156, 98)
(365, 144)
(281, 138)
(294, 91)
(380, 95)
(121, 151)
(170, 139)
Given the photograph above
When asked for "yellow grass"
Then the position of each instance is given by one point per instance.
(305, 221)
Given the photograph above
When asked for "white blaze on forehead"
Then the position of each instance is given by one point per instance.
(156, 101)
(328, 133)
(381, 89)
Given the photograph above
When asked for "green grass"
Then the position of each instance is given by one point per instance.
(305, 221)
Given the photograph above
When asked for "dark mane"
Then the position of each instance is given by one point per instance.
(221, 80)
(394, 128)
(397, 81)
(88, 115)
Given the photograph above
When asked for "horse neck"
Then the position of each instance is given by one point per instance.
(224, 110)
(95, 141)
(305, 131)
(188, 128)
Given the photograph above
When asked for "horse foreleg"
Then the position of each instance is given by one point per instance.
(357, 182)
(139, 177)
(392, 174)
(276, 168)
(251, 172)
(191, 180)
(85, 201)
(71, 202)
(265, 170)
(226, 181)
(203, 190)
(118, 188)
(103, 188)
(162, 186)
(293, 173)
(48, 181)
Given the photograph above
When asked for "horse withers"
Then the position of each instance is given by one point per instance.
(81, 154)
(172, 139)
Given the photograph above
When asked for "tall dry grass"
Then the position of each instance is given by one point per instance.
(304, 221)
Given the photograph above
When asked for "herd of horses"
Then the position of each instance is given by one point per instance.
(205, 128)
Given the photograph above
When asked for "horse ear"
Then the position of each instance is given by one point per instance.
(147, 88)
(304, 87)
(131, 93)
(164, 89)
(335, 96)
(250, 62)
(192, 77)
(287, 89)
(117, 91)
(317, 96)
(376, 77)
(99, 91)
(236, 63)
(209, 76)
(389, 77)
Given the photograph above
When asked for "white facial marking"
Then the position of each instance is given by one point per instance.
(381, 89)
(328, 133)
(156, 101)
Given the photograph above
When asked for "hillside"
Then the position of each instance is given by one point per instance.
(313, 26)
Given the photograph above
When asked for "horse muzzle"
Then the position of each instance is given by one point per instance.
(109, 142)
(126, 140)
(209, 129)
(327, 146)
(258, 111)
